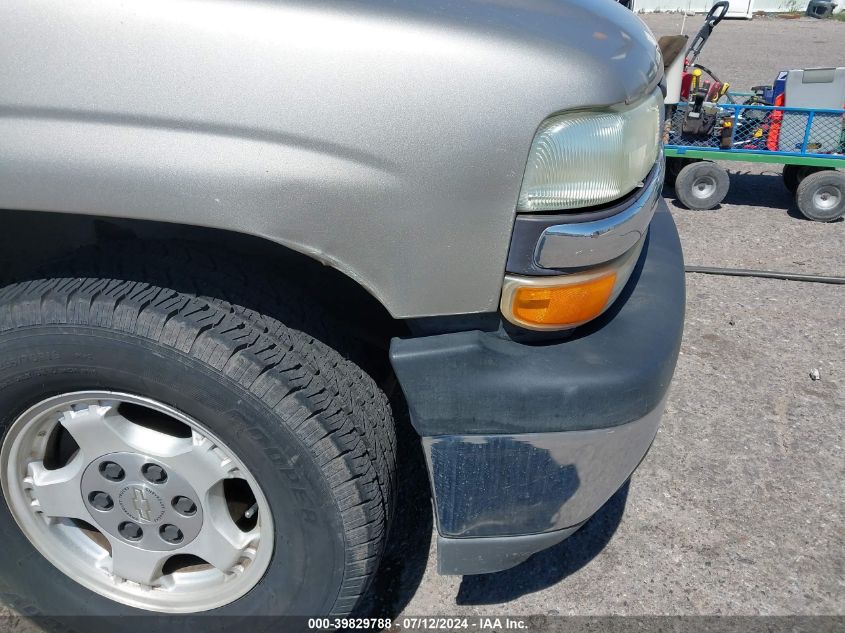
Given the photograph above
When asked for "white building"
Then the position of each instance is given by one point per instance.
(739, 8)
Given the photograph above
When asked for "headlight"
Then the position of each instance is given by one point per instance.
(585, 158)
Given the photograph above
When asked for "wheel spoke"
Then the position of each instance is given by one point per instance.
(56, 493)
(202, 464)
(97, 429)
(135, 564)
(223, 545)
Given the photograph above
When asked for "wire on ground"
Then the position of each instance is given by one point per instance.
(765, 274)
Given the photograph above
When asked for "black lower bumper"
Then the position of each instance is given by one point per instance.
(526, 442)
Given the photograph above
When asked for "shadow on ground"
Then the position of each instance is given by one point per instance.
(550, 566)
(752, 190)
(759, 190)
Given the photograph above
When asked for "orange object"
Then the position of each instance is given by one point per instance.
(774, 129)
(564, 304)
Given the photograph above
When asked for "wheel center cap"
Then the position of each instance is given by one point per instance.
(142, 501)
(141, 504)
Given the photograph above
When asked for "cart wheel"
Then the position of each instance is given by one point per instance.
(821, 196)
(794, 174)
(674, 165)
(702, 185)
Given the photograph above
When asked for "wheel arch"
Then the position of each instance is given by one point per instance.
(30, 239)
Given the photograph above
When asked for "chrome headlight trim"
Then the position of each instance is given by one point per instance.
(589, 243)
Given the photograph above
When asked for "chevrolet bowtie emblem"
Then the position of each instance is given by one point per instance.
(141, 503)
(142, 506)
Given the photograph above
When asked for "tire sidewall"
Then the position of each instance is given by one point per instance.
(306, 570)
(807, 189)
(690, 174)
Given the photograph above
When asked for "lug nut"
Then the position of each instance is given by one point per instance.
(112, 471)
(130, 531)
(171, 533)
(185, 506)
(154, 473)
(100, 501)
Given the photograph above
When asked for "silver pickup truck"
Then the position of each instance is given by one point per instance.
(242, 240)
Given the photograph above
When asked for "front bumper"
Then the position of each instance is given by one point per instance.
(525, 442)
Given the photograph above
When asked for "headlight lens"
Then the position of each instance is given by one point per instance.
(582, 159)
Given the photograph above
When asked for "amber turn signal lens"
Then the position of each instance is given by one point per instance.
(566, 301)
(563, 305)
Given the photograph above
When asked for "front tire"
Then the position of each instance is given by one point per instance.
(702, 185)
(307, 429)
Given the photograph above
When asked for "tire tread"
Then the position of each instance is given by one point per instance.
(232, 318)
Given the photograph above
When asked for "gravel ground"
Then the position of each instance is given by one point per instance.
(748, 53)
(738, 509)
(759, 226)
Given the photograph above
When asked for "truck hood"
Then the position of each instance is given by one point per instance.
(600, 49)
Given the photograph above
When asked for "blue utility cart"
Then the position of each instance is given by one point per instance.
(808, 142)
